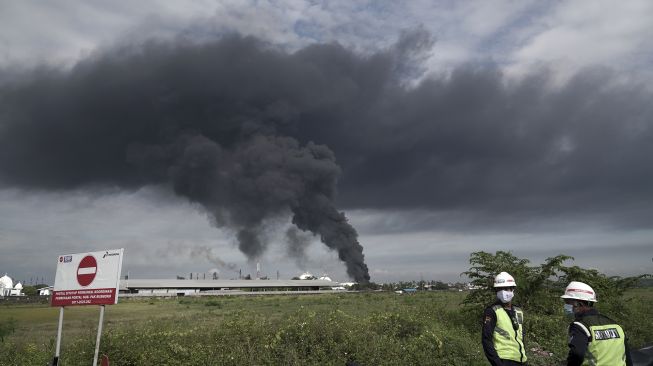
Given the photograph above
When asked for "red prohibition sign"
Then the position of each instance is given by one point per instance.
(86, 270)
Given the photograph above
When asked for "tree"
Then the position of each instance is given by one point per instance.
(539, 287)
(439, 285)
(365, 286)
(609, 289)
(30, 290)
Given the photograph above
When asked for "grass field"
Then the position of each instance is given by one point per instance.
(368, 328)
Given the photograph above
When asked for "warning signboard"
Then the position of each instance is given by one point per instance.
(87, 278)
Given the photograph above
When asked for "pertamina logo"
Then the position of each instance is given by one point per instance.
(107, 254)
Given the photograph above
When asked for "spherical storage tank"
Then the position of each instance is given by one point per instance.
(6, 282)
(306, 276)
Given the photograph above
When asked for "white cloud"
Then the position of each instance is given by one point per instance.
(518, 35)
(576, 34)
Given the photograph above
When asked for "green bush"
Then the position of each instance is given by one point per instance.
(214, 303)
(6, 328)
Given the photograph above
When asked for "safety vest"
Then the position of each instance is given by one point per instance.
(607, 341)
(508, 342)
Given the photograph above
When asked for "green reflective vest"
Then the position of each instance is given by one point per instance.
(509, 342)
(607, 341)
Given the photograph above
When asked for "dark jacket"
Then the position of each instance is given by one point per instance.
(579, 341)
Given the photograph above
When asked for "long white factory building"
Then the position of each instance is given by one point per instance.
(163, 287)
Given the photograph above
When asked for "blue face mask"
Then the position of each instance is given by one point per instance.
(569, 309)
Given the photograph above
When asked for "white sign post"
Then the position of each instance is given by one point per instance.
(86, 279)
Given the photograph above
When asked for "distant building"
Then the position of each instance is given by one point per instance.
(162, 287)
(17, 290)
(7, 287)
(470, 286)
(307, 276)
(45, 291)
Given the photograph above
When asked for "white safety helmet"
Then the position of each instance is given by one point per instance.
(504, 279)
(579, 291)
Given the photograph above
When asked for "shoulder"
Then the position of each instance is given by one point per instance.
(489, 317)
(490, 310)
(578, 327)
(595, 318)
(493, 307)
(606, 319)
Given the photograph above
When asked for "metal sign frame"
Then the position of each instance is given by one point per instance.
(86, 279)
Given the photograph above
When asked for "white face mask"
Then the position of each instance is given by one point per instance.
(505, 296)
(569, 309)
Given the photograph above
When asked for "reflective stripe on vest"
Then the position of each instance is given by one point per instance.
(508, 342)
(607, 345)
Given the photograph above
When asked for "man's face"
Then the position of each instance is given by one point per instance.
(577, 306)
(505, 294)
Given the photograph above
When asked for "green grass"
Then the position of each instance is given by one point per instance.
(330, 329)
(645, 294)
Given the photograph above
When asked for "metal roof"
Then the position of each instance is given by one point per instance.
(217, 284)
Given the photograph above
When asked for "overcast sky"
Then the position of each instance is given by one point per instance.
(197, 135)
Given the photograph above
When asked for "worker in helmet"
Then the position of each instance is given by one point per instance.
(503, 335)
(594, 339)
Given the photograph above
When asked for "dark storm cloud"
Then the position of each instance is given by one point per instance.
(251, 132)
(473, 142)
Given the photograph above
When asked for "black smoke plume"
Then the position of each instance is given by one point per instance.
(219, 122)
(297, 243)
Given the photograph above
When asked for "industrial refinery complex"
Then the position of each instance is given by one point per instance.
(129, 287)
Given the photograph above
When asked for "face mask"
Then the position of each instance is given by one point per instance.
(569, 309)
(505, 296)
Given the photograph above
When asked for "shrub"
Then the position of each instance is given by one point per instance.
(7, 327)
(214, 303)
